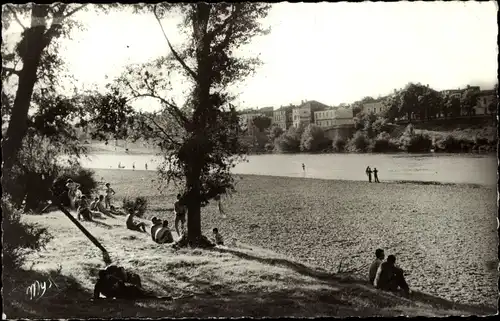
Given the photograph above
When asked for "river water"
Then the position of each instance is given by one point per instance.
(443, 168)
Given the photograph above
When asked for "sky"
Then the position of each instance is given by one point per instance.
(330, 52)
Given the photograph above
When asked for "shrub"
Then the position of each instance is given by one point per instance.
(339, 145)
(137, 206)
(358, 143)
(19, 238)
(415, 143)
(313, 139)
(83, 176)
(383, 143)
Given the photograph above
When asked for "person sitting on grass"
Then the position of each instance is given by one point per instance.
(157, 224)
(217, 237)
(93, 205)
(116, 211)
(83, 210)
(391, 278)
(131, 225)
(101, 207)
(164, 235)
(379, 258)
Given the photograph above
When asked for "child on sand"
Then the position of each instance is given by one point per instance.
(218, 237)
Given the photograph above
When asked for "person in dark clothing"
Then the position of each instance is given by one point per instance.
(375, 175)
(390, 277)
(303, 167)
(111, 284)
(369, 173)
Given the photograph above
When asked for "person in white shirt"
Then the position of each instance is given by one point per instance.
(72, 187)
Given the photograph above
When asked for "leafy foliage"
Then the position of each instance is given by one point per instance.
(358, 143)
(137, 206)
(313, 139)
(18, 237)
(261, 123)
(200, 143)
(339, 145)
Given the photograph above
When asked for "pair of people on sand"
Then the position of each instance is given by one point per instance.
(369, 172)
(386, 275)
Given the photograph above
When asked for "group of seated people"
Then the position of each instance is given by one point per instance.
(95, 209)
(386, 275)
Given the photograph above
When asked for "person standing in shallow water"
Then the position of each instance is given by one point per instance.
(375, 175)
(369, 173)
(303, 167)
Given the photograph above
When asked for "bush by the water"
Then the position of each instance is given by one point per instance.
(19, 238)
(384, 143)
(339, 145)
(138, 206)
(358, 143)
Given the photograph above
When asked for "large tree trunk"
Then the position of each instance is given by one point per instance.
(33, 46)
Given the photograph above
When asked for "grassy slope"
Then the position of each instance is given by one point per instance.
(232, 282)
(255, 282)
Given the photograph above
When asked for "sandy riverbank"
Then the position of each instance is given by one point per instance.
(443, 235)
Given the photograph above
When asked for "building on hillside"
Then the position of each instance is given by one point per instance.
(374, 107)
(266, 111)
(333, 117)
(247, 116)
(304, 114)
(246, 121)
(485, 99)
(282, 117)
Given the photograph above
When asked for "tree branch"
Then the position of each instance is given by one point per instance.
(72, 12)
(11, 70)
(161, 129)
(16, 17)
(176, 55)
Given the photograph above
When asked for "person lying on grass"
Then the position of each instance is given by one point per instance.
(391, 278)
(379, 258)
(100, 206)
(113, 283)
(116, 211)
(157, 224)
(163, 234)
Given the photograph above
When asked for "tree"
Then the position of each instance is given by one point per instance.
(275, 132)
(31, 69)
(451, 106)
(261, 122)
(469, 100)
(410, 101)
(33, 51)
(289, 142)
(206, 144)
(313, 139)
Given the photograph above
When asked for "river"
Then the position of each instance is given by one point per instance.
(443, 168)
